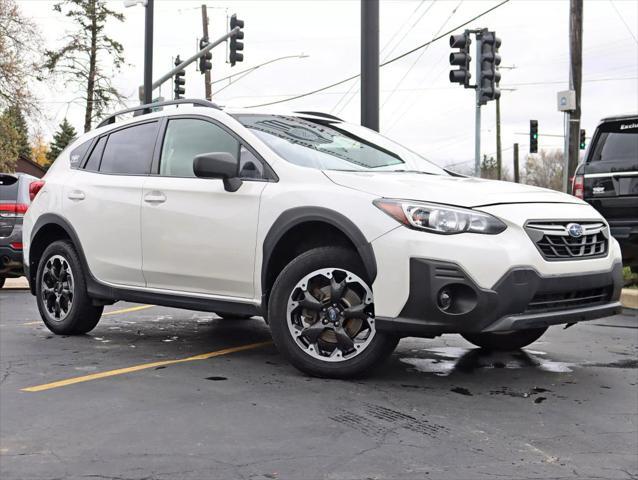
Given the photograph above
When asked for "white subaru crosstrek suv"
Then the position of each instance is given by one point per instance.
(343, 240)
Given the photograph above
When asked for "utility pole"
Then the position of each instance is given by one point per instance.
(575, 80)
(517, 178)
(370, 64)
(207, 79)
(499, 158)
(148, 52)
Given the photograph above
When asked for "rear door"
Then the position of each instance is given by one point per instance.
(611, 172)
(103, 202)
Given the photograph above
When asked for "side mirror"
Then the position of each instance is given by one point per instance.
(218, 165)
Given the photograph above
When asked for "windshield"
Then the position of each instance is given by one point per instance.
(334, 145)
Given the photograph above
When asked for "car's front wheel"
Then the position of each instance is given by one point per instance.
(506, 340)
(64, 304)
(321, 314)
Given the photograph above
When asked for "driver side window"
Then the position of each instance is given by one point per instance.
(186, 138)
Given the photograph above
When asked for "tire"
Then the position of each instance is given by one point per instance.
(60, 282)
(505, 341)
(316, 351)
(232, 316)
(2, 279)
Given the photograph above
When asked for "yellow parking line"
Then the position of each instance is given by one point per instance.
(127, 310)
(144, 366)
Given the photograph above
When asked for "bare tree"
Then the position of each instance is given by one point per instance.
(545, 169)
(18, 40)
(89, 56)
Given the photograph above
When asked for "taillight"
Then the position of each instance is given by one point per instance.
(34, 188)
(16, 245)
(578, 186)
(12, 210)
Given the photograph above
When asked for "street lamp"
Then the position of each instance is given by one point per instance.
(148, 46)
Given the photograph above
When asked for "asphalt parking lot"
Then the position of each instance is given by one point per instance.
(160, 393)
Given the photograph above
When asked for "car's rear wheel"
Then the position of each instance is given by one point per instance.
(64, 304)
(506, 340)
(321, 314)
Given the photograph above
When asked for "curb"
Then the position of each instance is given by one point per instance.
(629, 297)
(16, 284)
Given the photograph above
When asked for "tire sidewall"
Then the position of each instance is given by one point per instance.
(316, 259)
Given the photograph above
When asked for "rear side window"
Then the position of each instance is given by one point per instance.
(186, 138)
(77, 154)
(8, 188)
(93, 162)
(617, 142)
(130, 151)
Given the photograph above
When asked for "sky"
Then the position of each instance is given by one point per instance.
(420, 108)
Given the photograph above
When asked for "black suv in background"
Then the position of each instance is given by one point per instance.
(14, 201)
(608, 180)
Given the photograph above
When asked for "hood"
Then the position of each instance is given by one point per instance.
(460, 191)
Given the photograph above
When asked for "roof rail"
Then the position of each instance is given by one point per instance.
(320, 114)
(144, 109)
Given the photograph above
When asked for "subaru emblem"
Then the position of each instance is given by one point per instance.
(575, 230)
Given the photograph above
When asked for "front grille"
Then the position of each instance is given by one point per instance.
(547, 302)
(554, 241)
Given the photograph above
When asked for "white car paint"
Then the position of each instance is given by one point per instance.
(205, 242)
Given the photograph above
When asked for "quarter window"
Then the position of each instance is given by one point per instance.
(77, 154)
(130, 151)
(93, 162)
(186, 138)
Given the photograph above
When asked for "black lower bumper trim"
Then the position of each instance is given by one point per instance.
(512, 304)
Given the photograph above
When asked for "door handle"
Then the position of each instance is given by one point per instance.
(76, 195)
(155, 197)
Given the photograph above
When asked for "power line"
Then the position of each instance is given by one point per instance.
(392, 60)
(398, 84)
(387, 55)
(622, 19)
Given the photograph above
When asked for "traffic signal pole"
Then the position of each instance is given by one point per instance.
(477, 117)
(370, 64)
(148, 52)
(207, 78)
(168, 75)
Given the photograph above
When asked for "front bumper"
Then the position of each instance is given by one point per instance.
(521, 299)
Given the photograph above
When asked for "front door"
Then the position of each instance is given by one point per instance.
(196, 236)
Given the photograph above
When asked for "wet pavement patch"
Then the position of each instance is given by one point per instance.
(461, 390)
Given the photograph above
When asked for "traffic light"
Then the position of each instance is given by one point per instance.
(205, 64)
(179, 81)
(235, 44)
(489, 62)
(461, 59)
(533, 136)
(582, 142)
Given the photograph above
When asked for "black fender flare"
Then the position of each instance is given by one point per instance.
(295, 216)
(64, 224)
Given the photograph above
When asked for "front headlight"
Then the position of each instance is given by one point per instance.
(441, 219)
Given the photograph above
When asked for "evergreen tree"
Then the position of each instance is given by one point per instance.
(13, 116)
(65, 135)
